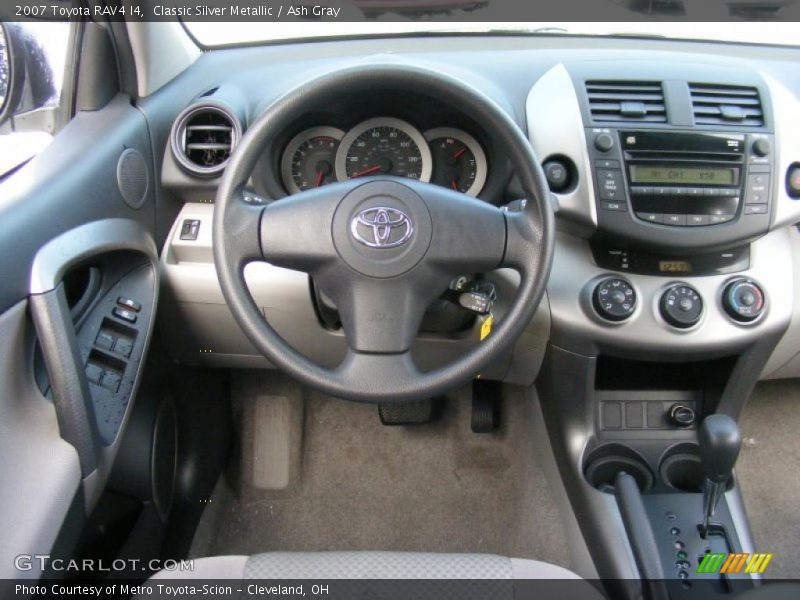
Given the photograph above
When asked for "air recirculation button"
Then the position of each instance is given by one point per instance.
(743, 300)
(614, 299)
(681, 306)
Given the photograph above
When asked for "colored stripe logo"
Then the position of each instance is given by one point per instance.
(740, 562)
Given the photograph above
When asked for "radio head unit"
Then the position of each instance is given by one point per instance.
(654, 180)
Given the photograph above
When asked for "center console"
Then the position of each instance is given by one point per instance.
(668, 295)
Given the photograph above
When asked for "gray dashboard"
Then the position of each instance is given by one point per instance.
(537, 80)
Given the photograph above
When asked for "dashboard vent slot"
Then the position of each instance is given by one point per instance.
(726, 104)
(626, 101)
(203, 138)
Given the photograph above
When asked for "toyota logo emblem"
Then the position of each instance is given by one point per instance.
(382, 227)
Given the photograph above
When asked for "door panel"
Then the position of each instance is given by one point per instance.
(63, 210)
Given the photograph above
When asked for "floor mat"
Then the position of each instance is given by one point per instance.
(768, 473)
(436, 487)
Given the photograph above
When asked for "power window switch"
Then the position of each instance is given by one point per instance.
(189, 229)
(104, 341)
(124, 314)
(111, 381)
(129, 303)
(123, 347)
(94, 373)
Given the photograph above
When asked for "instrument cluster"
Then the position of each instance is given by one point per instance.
(444, 156)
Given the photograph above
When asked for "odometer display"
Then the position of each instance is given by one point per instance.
(383, 146)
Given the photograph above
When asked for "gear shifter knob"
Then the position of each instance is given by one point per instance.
(720, 442)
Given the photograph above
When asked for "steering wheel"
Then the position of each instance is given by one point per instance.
(383, 248)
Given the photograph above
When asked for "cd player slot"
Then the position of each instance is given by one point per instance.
(684, 157)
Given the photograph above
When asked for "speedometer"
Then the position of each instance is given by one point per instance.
(383, 146)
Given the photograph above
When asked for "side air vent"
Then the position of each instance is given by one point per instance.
(726, 105)
(203, 137)
(626, 101)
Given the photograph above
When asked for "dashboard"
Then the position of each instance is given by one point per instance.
(672, 165)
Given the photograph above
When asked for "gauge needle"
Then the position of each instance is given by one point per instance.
(460, 152)
(454, 185)
(366, 171)
(320, 177)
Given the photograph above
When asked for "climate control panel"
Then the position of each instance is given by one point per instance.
(680, 305)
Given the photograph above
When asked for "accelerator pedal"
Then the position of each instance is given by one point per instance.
(406, 413)
(485, 405)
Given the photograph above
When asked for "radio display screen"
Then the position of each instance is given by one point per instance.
(683, 175)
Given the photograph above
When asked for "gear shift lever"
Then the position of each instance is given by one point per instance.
(720, 442)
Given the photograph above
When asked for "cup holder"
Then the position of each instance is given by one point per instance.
(605, 462)
(682, 470)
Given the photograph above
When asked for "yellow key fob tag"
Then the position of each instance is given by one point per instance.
(486, 327)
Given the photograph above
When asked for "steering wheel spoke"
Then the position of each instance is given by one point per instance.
(376, 373)
(380, 316)
(296, 231)
(469, 233)
(522, 241)
(240, 222)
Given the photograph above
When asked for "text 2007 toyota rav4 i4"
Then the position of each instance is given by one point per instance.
(338, 315)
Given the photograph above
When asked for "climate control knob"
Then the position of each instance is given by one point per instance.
(681, 306)
(743, 300)
(614, 299)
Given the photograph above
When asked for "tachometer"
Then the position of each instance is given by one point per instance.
(459, 162)
(309, 159)
(383, 146)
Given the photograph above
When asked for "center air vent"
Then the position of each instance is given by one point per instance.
(626, 101)
(726, 104)
(204, 137)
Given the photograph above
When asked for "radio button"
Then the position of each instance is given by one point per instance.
(603, 163)
(610, 182)
(616, 206)
(757, 189)
(717, 219)
(678, 220)
(695, 220)
(694, 191)
(651, 217)
(710, 191)
(755, 209)
(728, 192)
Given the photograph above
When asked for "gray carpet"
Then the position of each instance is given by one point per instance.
(769, 473)
(363, 486)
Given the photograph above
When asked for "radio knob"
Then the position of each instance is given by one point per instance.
(743, 300)
(681, 306)
(614, 299)
(604, 142)
(761, 147)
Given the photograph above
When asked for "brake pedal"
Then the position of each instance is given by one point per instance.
(485, 405)
(406, 413)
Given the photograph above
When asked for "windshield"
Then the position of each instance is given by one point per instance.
(220, 34)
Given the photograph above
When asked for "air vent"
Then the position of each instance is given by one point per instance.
(626, 101)
(203, 138)
(726, 104)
